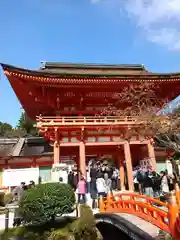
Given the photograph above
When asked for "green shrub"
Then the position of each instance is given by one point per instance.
(2, 199)
(83, 228)
(42, 203)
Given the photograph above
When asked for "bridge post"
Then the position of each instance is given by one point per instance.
(172, 215)
(177, 193)
(101, 204)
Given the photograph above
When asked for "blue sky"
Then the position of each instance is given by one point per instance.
(92, 31)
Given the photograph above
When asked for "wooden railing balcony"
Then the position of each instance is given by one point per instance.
(56, 121)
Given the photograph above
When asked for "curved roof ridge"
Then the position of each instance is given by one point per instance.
(91, 65)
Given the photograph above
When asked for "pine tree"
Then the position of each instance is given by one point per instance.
(27, 125)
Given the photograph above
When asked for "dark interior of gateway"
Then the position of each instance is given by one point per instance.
(111, 232)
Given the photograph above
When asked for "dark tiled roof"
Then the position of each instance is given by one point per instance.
(67, 69)
(7, 146)
(92, 69)
(29, 147)
(33, 146)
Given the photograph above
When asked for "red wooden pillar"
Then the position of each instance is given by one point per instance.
(121, 171)
(151, 154)
(128, 160)
(56, 148)
(56, 153)
(33, 165)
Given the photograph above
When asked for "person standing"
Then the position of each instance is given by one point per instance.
(148, 184)
(164, 185)
(108, 183)
(115, 179)
(81, 188)
(101, 187)
(88, 180)
(93, 193)
(156, 179)
(32, 184)
(17, 194)
(71, 180)
(18, 191)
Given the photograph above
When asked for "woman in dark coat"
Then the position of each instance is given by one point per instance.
(93, 192)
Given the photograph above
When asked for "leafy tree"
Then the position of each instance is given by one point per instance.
(5, 129)
(26, 125)
(151, 115)
(24, 128)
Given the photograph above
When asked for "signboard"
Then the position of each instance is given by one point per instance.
(145, 163)
(60, 171)
(13, 177)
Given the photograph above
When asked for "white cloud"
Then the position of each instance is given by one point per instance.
(159, 20)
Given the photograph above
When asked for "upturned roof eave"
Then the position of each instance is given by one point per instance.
(45, 73)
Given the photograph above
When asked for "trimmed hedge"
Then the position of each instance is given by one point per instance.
(44, 202)
(83, 228)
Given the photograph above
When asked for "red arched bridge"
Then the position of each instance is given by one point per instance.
(165, 216)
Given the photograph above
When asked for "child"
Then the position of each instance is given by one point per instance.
(81, 187)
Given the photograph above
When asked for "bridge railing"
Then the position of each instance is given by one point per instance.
(165, 216)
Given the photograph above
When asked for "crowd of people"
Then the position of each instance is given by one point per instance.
(102, 178)
(153, 184)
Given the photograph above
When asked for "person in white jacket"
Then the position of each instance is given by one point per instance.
(101, 186)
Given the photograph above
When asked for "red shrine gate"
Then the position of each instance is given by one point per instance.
(66, 99)
(87, 144)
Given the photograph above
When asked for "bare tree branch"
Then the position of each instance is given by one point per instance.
(154, 117)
